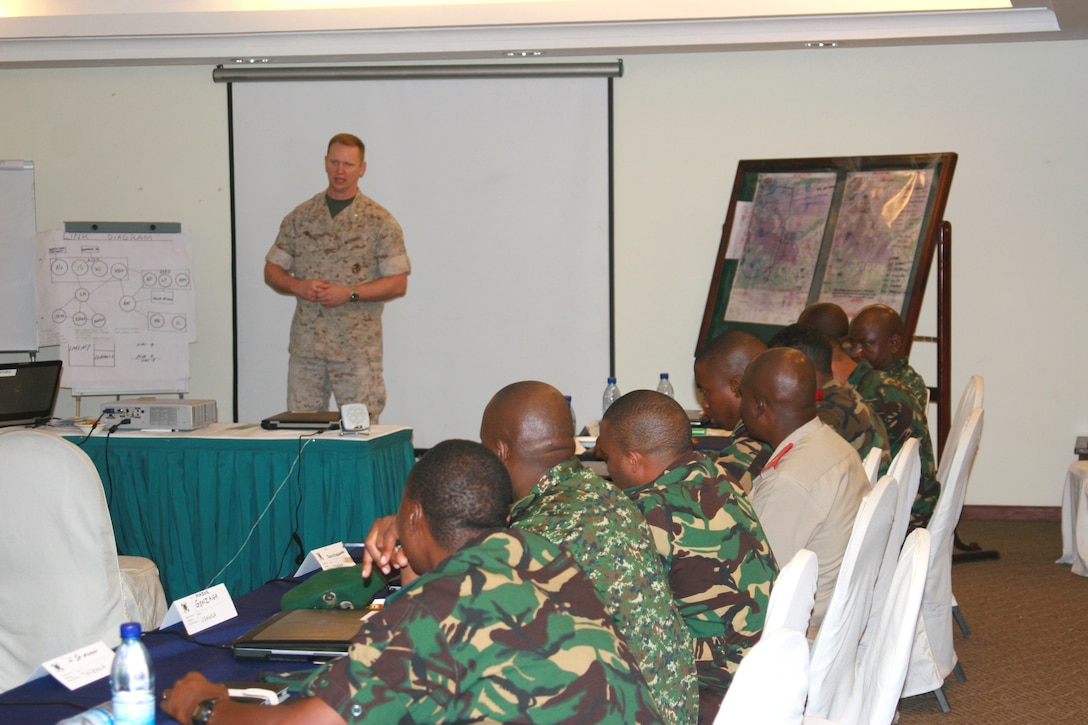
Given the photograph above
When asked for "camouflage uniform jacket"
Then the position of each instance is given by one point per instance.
(508, 629)
(743, 457)
(842, 408)
(886, 394)
(361, 244)
(908, 377)
(607, 535)
(719, 562)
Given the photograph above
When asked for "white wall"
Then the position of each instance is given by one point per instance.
(134, 144)
(150, 144)
(1015, 113)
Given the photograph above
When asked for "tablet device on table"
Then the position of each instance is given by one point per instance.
(301, 634)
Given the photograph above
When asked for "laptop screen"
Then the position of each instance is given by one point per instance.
(28, 391)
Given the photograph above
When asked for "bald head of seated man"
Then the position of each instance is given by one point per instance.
(808, 494)
(827, 318)
(528, 426)
(837, 404)
(719, 367)
(880, 337)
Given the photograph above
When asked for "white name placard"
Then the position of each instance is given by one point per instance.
(204, 609)
(81, 667)
(333, 556)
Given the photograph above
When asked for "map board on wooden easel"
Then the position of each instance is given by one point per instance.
(854, 231)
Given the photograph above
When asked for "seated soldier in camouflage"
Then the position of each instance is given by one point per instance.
(878, 335)
(705, 531)
(718, 370)
(837, 404)
(528, 426)
(502, 626)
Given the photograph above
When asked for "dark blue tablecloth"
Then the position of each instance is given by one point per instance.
(43, 701)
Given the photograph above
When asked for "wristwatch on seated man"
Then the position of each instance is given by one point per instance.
(354, 295)
(202, 713)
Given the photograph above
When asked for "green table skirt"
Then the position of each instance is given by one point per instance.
(211, 510)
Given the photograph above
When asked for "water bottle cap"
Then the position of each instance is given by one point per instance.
(664, 376)
(567, 398)
(611, 381)
(130, 630)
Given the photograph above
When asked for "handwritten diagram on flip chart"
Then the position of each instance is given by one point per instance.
(121, 307)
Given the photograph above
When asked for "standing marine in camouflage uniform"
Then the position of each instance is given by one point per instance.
(718, 370)
(705, 531)
(878, 337)
(341, 255)
(837, 404)
(502, 626)
(528, 426)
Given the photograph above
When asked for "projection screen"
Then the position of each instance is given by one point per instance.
(502, 189)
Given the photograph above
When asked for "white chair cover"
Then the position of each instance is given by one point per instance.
(62, 586)
(906, 469)
(793, 594)
(835, 651)
(971, 398)
(871, 464)
(770, 685)
(933, 657)
(883, 666)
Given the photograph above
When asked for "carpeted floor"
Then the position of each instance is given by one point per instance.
(1026, 660)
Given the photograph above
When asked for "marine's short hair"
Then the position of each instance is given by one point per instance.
(347, 139)
(649, 422)
(463, 488)
(815, 344)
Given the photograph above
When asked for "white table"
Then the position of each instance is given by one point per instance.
(1075, 518)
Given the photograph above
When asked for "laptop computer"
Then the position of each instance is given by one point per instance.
(28, 392)
(294, 420)
(301, 634)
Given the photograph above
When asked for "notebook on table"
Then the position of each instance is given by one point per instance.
(295, 420)
(301, 634)
(28, 392)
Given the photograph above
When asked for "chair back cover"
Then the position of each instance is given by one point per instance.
(906, 469)
(61, 583)
(771, 683)
(871, 463)
(933, 655)
(971, 398)
(883, 665)
(793, 594)
(834, 653)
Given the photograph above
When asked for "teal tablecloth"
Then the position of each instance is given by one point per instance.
(189, 503)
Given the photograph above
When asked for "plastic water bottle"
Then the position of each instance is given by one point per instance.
(611, 395)
(664, 386)
(98, 715)
(132, 680)
(573, 419)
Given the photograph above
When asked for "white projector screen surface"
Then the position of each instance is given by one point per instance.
(501, 187)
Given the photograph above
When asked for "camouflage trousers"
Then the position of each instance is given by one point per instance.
(311, 380)
(715, 672)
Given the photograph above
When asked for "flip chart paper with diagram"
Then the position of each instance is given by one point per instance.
(121, 307)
